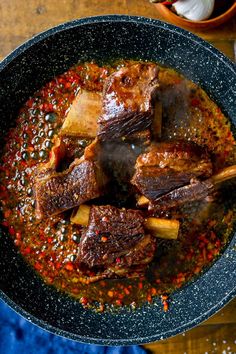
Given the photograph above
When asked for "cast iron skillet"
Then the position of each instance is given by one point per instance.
(28, 68)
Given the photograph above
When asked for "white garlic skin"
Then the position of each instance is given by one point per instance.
(194, 10)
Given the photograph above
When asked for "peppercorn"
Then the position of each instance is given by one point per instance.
(43, 154)
(25, 155)
(50, 117)
(50, 133)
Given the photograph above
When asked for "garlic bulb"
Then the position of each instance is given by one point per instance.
(195, 10)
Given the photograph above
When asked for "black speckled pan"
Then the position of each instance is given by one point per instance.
(38, 61)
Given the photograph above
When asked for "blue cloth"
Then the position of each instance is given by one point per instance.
(18, 336)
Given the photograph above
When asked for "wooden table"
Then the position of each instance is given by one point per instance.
(20, 20)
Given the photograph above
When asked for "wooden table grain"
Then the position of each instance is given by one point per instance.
(20, 20)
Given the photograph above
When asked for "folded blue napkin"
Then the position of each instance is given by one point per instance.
(18, 336)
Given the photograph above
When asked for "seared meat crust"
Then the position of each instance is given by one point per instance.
(170, 165)
(114, 236)
(127, 101)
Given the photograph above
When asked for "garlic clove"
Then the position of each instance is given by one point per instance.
(195, 10)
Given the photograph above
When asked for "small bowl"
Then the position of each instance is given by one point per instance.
(201, 25)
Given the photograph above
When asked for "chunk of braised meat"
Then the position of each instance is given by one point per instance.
(132, 265)
(169, 165)
(114, 239)
(195, 191)
(128, 101)
(57, 191)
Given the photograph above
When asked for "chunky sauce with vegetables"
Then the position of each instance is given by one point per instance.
(51, 245)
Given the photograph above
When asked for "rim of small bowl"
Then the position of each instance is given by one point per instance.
(167, 12)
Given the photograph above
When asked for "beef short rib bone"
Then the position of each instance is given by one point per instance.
(59, 191)
(169, 165)
(81, 120)
(196, 190)
(128, 101)
(162, 228)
